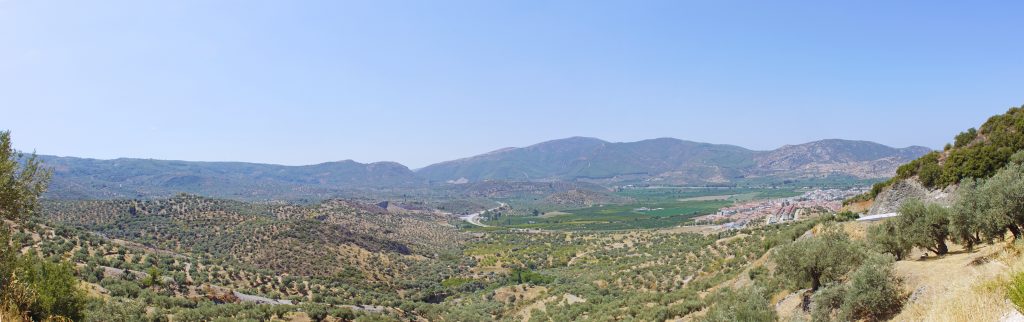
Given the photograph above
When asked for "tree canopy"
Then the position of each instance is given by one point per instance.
(819, 259)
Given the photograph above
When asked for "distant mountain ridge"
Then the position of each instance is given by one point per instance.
(581, 159)
(78, 178)
(674, 161)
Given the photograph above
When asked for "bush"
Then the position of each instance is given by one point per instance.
(1016, 291)
(873, 293)
(520, 276)
(747, 304)
(826, 302)
(55, 288)
(962, 139)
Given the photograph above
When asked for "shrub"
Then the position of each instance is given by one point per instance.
(826, 302)
(747, 304)
(55, 287)
(1016, 291)
(846, 216)
(962, 139)
(873, 293)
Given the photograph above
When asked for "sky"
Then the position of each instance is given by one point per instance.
(418, 82)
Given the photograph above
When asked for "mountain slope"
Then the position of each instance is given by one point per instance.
(589, 158)
(861, 159)
(656, 161)
(675, 161)
(130, 178)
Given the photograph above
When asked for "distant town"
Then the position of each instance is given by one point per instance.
(779, 210)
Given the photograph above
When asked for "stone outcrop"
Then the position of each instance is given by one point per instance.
(893, 197)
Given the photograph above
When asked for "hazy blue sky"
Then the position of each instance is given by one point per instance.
(300, 82)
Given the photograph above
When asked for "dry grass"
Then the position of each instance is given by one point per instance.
(858, 230)
(8, 316)
(859, 207)
(961, 286)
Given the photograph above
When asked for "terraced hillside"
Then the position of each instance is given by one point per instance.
(321, 239)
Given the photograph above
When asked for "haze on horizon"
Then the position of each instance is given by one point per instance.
(417, 83)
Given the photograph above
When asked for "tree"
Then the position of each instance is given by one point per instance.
(29, 285)
(316, 312)
(20, 184)
(822, 258)
(964, 225)
(1000, 201)
(886, 238)
(153, 277)
(925, 225)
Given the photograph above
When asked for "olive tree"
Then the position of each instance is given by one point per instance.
(822, 258)
(964, 222)
(887, 238)
(21, 183)
(925, 225)
(29, 286)
(20, 187)
(1001, 202)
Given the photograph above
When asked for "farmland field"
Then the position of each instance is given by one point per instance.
(652, 208)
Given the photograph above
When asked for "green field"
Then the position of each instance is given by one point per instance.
(616, 217)
(667, 207)
(668, 194)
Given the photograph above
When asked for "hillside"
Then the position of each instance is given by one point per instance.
(860, 159)
(77, 178)
(672, 161)
(974, 154)
(320, 239)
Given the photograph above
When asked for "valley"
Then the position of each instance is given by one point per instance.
(511, 161)
(776, 248)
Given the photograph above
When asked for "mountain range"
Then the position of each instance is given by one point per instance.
(673, 161)
(580, 159)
